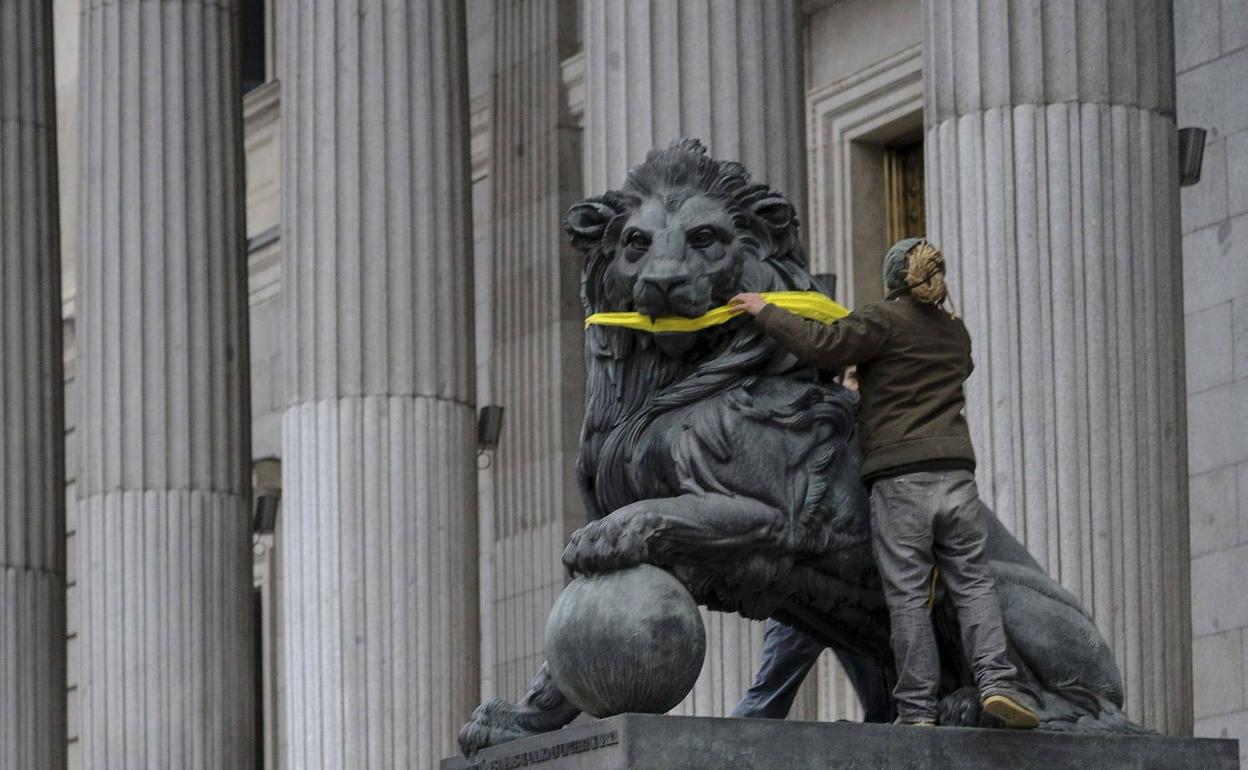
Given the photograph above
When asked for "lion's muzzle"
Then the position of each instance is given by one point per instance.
(669, 292)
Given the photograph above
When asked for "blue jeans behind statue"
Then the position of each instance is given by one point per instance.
(788, 655)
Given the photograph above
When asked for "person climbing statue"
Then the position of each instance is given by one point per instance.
(913, 357)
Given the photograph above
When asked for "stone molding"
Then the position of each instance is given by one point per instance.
(838, 114)
(573, 76)
(479, 130)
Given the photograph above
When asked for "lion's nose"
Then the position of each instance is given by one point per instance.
(666, 283)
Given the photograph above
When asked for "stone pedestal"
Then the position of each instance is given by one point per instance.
(650, 742)
(164, 596)
(32, 431)
(1052, 186)
(377, 540)
(728, 72)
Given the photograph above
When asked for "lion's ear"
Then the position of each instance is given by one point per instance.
(776, 212)
(587, 221)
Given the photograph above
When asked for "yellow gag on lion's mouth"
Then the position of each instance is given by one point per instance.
(808, 304)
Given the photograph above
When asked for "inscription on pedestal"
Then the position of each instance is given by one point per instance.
(530, 757)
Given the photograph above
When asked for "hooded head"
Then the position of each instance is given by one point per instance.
(916, 267)
(896, 265)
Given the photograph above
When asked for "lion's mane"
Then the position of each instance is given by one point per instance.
(630, 381)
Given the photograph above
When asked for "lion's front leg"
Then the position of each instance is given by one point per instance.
(687, 529)
(543, 708)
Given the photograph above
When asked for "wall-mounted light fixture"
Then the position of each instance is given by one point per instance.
(267, 489)
(1191, 155)
(489, 427)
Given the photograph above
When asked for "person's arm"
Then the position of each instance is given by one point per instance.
(854, 339)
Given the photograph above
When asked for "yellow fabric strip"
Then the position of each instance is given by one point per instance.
(808, 304)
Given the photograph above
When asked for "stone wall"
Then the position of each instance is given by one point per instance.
(1211, 59)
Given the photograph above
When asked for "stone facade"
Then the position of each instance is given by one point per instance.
(535, 337)
(1211, 58)
(860, 66)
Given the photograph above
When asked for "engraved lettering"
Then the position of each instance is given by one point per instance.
(559, 750)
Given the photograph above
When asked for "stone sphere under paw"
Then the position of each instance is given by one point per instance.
(625, 641)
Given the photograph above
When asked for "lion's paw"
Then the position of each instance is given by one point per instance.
(603, 546)
(493, 722)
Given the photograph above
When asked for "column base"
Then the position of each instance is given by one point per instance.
(32, 643)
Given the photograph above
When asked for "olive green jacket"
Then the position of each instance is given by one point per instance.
(912, 360)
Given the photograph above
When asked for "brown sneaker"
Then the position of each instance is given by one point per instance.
(1010, 712)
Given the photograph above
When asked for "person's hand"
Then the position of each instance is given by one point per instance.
(849, 378)
(749, 302)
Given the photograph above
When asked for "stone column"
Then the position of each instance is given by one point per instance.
(378, 537)
(537, 362)
(728, 72)
(164, 477)
(1052, 185)
(32, 437)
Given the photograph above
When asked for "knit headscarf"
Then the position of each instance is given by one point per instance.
(896, 264)
(916, 266)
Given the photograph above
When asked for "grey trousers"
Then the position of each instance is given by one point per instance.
(925, 520)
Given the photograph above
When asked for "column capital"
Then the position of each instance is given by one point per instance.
(978, 56)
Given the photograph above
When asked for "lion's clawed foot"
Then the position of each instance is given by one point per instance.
(492, 723)
(606, 545)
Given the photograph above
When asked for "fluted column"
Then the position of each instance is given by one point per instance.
(32, 432)
(378, 535)
(163, 484)
(1052, 186)
(537, 352)
(728, 72)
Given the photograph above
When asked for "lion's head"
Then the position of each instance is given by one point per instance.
(685, 234)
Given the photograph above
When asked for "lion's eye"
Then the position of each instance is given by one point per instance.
(702, 239)
(637, 239)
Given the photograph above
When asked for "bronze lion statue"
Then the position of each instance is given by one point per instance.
(720, 457)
